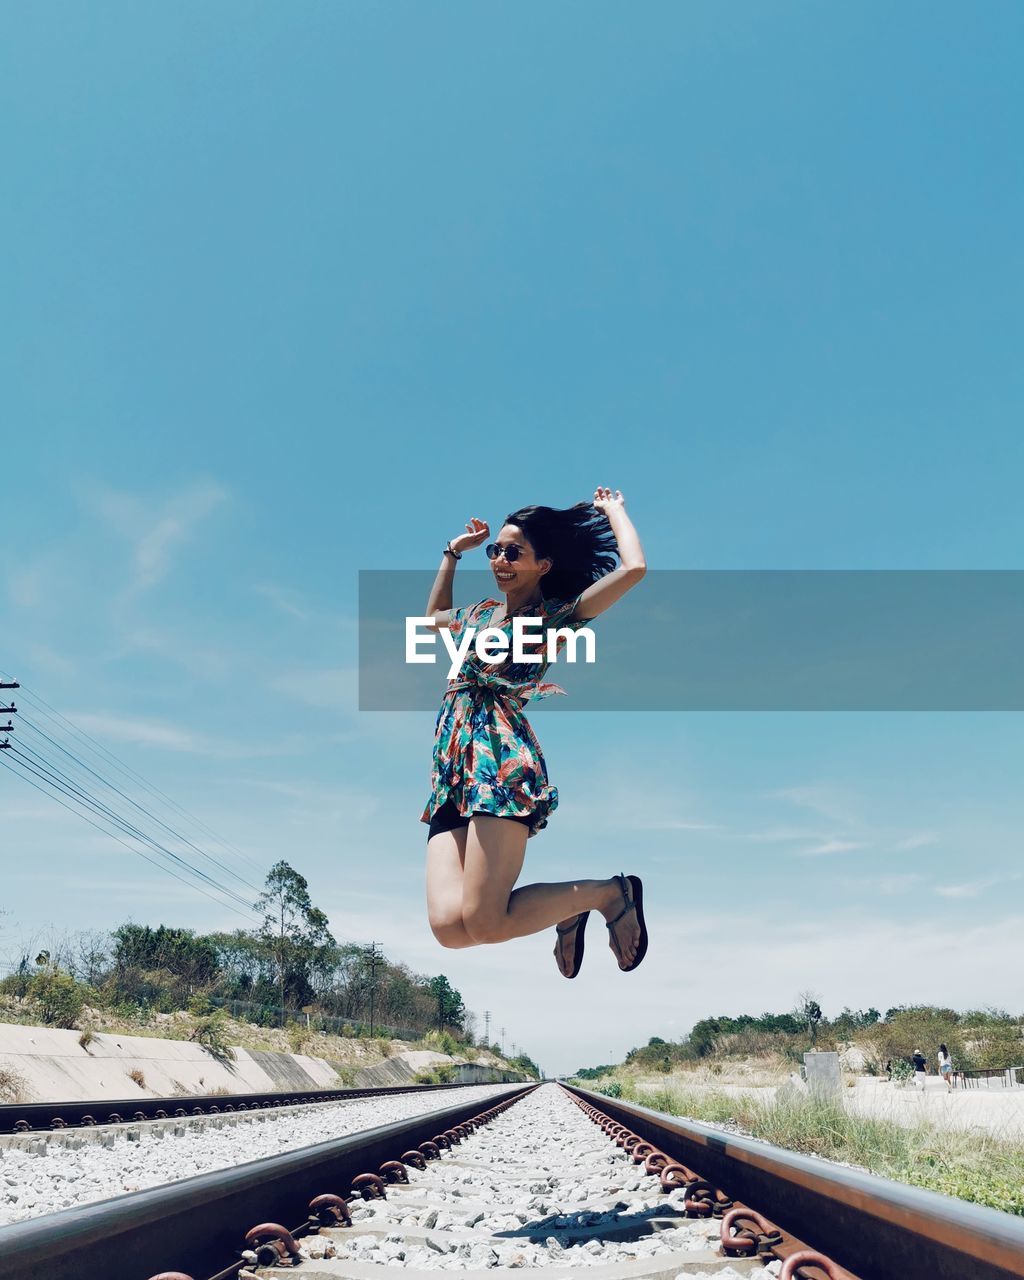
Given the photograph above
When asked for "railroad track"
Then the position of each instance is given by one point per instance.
(18, 1118)
(546, 1177)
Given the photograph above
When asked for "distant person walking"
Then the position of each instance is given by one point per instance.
(946, 1067)
(490, 789)
(920, 1068)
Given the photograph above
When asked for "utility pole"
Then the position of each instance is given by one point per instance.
(374, 959)
(503, 1042)
(487, 1028)
(9, 711)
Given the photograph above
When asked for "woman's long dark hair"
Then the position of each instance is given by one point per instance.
(578, 540)
(944, 1050)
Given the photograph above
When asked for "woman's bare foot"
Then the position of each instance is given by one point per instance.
(566, 947)
(624, 935)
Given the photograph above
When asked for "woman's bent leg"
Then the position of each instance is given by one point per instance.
(446, 855)
(492, 912)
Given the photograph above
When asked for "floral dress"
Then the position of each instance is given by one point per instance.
(486, 756)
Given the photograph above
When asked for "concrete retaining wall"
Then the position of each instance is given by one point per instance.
(56, 1068)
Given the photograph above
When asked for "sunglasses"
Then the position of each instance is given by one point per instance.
(511, 553)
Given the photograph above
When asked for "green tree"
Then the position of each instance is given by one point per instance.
(294, 932)
(810, 1011)
(450, 1010)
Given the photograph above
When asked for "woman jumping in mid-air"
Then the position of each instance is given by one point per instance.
(490, 782)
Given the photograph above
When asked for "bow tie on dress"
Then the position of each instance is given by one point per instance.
(519, 691)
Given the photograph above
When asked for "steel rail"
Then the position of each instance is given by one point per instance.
(198, 1225)
(874, 1228)
(44, 1117)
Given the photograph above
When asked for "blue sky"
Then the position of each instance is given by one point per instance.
(293, 292)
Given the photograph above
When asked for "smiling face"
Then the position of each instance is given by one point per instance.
(523, 575)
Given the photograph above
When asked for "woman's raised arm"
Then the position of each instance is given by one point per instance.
(439, 602)
(603, 593)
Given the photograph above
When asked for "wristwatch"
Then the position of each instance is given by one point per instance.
(449, 550)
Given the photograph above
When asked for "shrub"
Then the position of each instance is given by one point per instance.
(211, 1033)
(15, 984)
(993, 1039)
(297, 1036)
(58, 997)
(611, 1090)
(921, 1027)
(86, 1039)
(136, 1075)
(441, 1042)
(443, 1073)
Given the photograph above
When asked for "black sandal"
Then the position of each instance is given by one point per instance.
(578, 928)
(637, 901)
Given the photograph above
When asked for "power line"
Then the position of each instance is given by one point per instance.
(51, 713)
(35, 762)
(39, 766)
(78, 813)
(141, 808)
(58, 779)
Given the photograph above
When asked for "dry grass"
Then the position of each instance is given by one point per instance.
(966, 1164)
(766, 1071)
(13, 1085)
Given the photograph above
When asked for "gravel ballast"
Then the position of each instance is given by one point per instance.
(53, 1175)
(540, 1186)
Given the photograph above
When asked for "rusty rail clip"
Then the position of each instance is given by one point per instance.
(273, 1245)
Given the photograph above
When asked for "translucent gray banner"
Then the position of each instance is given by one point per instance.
(744, 640)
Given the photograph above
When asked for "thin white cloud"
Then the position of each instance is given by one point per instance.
(917, 840)
(154, 549)
(831, 846)
(971, 888)
(886, 885)
(156, 733)
(830, 802)
(890, 885)
(157, 537)
(779, 835)
(674, 824)
(286, 601)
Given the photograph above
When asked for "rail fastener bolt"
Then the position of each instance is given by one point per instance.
(745, 1233)
(329, 1211)
(273, 1245)
(369, 1186)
